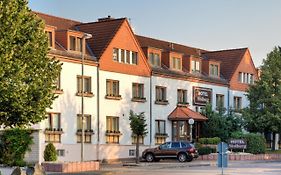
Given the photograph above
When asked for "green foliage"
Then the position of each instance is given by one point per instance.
(264, 112)
(212, 141)
(50, 153)
(206, 150)
(13, 145)
(219, 124)
(27, 74)
(256, 143)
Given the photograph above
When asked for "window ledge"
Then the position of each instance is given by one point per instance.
(164, 135)
(86, 132)
(111, 97)
(137, 99)
(53, 132)
(58, 91)
(163, 102)
(86, 94)
(113, 134)
(184, 104)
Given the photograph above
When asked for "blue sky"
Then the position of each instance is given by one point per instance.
(207, 24)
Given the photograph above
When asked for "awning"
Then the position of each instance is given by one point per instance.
(184, 113)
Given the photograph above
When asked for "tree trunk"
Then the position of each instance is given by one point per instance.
(137, 150)
(273, 141)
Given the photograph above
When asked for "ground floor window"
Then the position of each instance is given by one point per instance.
(181, 130)
(112, 129)
(134, 139)
(160, 131)
(53, 129)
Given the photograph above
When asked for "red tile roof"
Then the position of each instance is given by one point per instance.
(168, 46)
(60, 23)
(230, 60)
(102, 32)
(184, 113)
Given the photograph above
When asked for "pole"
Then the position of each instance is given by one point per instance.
(222, 158)
(190, 133)
(82, 101)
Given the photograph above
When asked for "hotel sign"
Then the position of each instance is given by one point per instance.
(202, 96)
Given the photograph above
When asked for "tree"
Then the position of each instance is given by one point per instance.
(27, 74)
(264, 111)
(50, 153)
(138, 126)
(219, 124)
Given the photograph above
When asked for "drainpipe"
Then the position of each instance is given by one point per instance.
(98, 112)
(228, 98)
(150, 111)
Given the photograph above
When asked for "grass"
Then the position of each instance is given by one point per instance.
(273, 152)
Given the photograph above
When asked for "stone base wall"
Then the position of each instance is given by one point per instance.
(243, 157)
(71, 167)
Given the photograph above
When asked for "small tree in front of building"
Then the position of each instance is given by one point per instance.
(138, 126)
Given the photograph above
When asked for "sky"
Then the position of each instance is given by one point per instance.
(206, 24)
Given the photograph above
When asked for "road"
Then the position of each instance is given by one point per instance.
(195, 167)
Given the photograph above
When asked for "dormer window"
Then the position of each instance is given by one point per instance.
(75, 43)
(176, 63)
(50, 38)
(50, 32)
(214, 70)
(195, 66)
(154, 59)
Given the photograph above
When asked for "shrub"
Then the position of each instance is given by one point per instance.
(212, 141)
(13, 145)
(50, 153)
(206, 150)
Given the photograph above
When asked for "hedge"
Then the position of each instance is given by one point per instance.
(211, 141)
(206, 150)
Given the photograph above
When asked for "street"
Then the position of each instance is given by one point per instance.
(195, 167)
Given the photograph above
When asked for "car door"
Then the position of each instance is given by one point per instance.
(174, 149)
(162, 150)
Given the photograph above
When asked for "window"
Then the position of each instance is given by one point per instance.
(57, 84)
(195, 66)
(237, 104)
(161, 94)
(176, 63)
(50, 38)
(87, 85)
(138, 91)
(219, 101)
(53, 128)
(112, 88)
(112, 129)
(160, 131)
(154, 59)
(60, 152)
(115, 55)
(134, 58)
(134, 139)
(122, 55)
(75, 43)
(128, 56)
(182, 96)
(246, 78)
(214, 70)
(87, 128)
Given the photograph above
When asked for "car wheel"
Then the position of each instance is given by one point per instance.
(182, 157)
(149, 157)
(189, 158)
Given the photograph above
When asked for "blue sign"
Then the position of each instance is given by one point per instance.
(222, 155)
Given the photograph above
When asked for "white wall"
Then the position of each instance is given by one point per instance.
(242, 94)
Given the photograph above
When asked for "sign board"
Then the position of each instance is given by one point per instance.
(202, 96)
(222, 155)
(237, 144)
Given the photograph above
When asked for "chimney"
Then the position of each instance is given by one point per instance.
(171, 45)
(108, 18)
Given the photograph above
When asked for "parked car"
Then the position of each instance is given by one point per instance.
(181, 150)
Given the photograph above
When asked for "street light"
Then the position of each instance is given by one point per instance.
(190, 122)
(85, 36)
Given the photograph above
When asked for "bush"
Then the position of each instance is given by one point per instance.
(50, 153)
(13, 145)
(211, 141)
(206, 150)
(256, 143)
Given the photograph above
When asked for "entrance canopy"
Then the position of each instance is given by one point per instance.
(184, 113)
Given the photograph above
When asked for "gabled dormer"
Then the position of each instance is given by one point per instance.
(154, 56)
(193, 64)
(173, 60)
(211, 68)
(71, 40)
(50, 32)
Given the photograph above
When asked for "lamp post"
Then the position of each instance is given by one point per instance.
(85, 36)
(190, 122)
